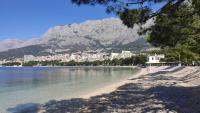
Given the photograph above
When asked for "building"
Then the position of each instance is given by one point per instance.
(2, 62)
(155, 59)
(126, 54)
(28, 58)
(80, 56)
(114, 56)
(75, 57)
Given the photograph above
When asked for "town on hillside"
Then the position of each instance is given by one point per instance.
(86, 56)
(95, 58)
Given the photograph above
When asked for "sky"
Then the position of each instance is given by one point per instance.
(25, 19)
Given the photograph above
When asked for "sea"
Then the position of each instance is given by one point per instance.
(25, 86)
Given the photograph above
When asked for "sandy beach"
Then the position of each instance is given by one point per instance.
(154, 90)
(113, 87)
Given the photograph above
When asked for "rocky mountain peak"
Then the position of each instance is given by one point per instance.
(106, 34)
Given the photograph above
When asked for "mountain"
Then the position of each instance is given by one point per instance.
(10, 44)
(16, 43)
(107, 35)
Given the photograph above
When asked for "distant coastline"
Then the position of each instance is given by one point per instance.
(68, 66)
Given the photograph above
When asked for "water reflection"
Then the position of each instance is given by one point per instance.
(38, 85)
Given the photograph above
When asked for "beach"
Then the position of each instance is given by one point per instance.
(153, 90)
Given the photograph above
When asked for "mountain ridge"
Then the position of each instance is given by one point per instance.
(107, 34)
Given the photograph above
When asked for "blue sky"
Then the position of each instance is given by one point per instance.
(25, 19)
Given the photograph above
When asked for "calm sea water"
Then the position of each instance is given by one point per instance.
(39, 85)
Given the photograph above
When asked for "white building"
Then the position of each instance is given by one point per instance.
(114, 56)
(28, 58)
(126, 54)
(79, 56)
(154, 59)
(123, 54)
(75, 57)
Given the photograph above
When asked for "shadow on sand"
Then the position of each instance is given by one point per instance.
(25, 108)
(128, 98)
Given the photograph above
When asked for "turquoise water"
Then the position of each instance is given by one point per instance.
(39, 85)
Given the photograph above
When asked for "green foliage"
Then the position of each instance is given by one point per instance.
(140, 59)
(196, 4)
(133, 16)
(139, 11)
(11, 64)
(178, 28)
(182, 53)
(50, 63)
(31, 63)
(178, 34)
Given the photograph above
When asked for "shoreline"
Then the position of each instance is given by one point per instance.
(62, 66)
(152, 89)
(112, 87)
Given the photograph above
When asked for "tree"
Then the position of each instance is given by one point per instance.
(12, 64)
(139, 11)
(182, 53)
(176, 29)
(140, 59)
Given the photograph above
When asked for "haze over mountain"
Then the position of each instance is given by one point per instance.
(107, 35)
